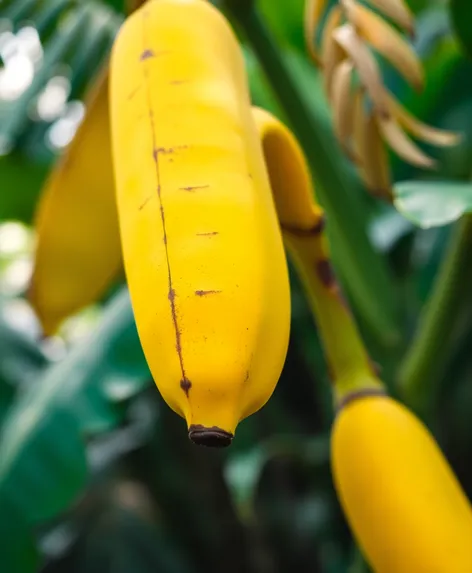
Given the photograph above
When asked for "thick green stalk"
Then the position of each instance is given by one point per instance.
(369, 281)
(425, 361)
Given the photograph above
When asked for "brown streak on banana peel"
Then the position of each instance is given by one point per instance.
(194, 187)
(185, 383)
(144, 203)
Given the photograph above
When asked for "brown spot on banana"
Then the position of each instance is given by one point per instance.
(194, 187)
(185, 384)
(144, 203)
(206, 292)
(133, 93)
(210, 234)
(146, 54)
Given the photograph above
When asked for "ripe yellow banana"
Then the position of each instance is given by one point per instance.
(78, 245)
(400, 496)
(202, 248)
(302, 223)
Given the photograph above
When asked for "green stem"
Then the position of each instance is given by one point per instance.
(369, 282)
(349, 364)
(425, 361)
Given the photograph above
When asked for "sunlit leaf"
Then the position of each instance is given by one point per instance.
(433, 203)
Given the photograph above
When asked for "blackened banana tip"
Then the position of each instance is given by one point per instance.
(210, 437)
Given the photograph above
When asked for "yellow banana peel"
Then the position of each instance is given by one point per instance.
(402, 500)
(78, 245)
(202, 249)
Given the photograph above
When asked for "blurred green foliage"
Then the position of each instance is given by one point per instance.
(96, 473)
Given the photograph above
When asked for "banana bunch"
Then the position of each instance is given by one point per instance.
(366, 115)
(400, 496)
(209, 191)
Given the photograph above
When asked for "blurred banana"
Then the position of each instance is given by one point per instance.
(202, 248)
(331, 51)
(313, 12)
(343, 106)
(365, 64)
(401, 498)
(386, 40)
(371, 151)
(78, 244)
(398, 11)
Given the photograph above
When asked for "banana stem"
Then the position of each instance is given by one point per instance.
(428, 354)
(349, 364)
(370, 282)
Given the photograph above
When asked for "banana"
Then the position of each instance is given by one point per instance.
(397, 11)
(418, 129)
(397, 139)
(313, 12)
(365, 65)
(343, 109)
(202, 247)
(386, 40)
(78, 244)
(331, 52)
(400, 496)
(372, 153)
(302, 222)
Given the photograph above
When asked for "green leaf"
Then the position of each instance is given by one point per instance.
(122, 540)
(21, 179)
(42, 451)
(22, 555)
(243, 471)
(20, 361)
(15, 116)
(433, 203)
(462, 21)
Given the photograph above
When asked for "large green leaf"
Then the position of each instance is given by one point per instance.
(42, 451)
(433, 203)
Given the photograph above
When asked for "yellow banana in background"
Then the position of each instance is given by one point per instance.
(400, 496)
(202, 247)
(78, 245)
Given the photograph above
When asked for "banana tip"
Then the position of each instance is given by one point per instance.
(210, 437)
